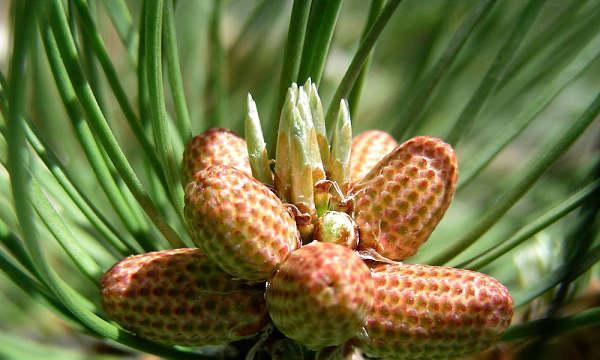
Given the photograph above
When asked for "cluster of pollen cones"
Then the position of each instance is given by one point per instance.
(311, 244)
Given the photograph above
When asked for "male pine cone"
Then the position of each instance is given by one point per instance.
(180, 297)
(431, 312)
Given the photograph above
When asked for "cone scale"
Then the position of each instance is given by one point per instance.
(215, 146)
(180, 297)
(424, 311)
(241, 225)
(402, 199)
(320, 296)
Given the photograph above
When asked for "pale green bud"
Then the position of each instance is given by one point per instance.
(318, 117)
(302, 194)
(339, 163)
(257, 150)
(282, 154)
(337, 227)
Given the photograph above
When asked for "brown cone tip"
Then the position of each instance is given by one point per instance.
(216, 146)
(368, 148)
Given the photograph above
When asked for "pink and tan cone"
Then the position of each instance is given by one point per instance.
(179, 297)
(241, 225)
(321, 295)
(215, 146)
(422, 311)
(368, 148)
(401, 200)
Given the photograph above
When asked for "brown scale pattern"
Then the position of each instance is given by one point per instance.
(399, 203)
(321, 295)
(433, 312)
(215, 146)
(180, 297)
(240, 224)
(368, 148)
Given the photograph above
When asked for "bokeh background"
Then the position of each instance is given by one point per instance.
(252, 37)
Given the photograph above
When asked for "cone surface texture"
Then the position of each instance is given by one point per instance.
(178, 297)
(368, 148)
(402, 199)
(433, 312)
(215, 146)
(240, 224)
(321, 295)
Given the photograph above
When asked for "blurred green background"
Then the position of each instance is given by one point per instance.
(249, 57)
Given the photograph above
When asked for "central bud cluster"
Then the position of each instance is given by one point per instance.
(319, 231)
